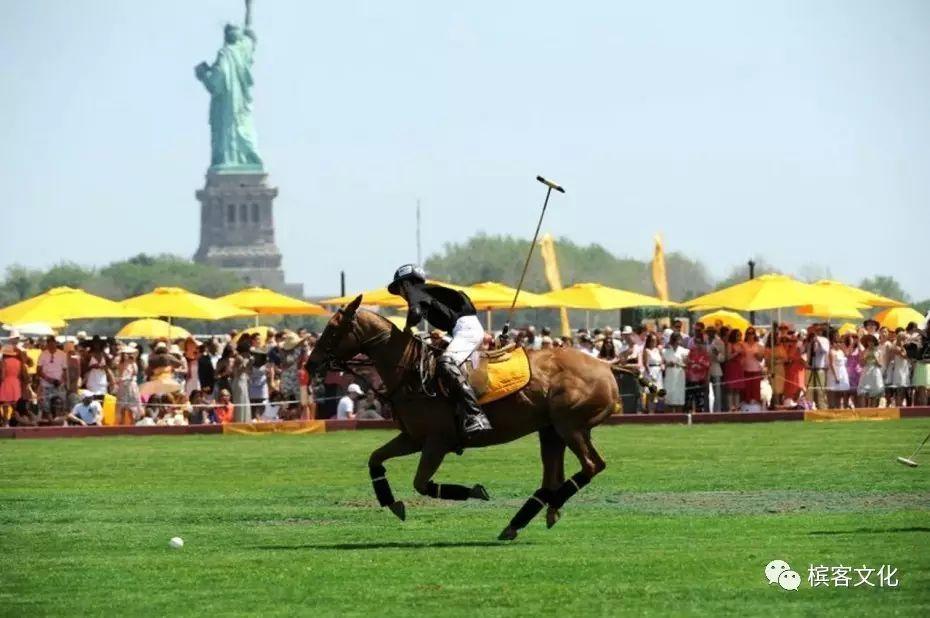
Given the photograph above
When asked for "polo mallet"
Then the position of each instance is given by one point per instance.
(551, 185)
(909, 461)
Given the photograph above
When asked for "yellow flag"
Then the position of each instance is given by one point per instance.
(659, 279)
(547, 250)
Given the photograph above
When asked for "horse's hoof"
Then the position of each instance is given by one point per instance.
(398, 509)
(479, 492)
(552, 517)
(508, 534)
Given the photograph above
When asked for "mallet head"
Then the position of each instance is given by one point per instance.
(550, 184)
(907, 462)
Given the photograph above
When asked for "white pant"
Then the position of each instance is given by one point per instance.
(467, 335)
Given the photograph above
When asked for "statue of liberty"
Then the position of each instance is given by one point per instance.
(229, 82)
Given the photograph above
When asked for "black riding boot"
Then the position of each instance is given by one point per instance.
(473, 418)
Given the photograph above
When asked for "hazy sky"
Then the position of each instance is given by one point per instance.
(798, 131)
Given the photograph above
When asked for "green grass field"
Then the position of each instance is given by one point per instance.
(683, 521)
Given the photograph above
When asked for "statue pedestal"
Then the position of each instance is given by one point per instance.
(237, 228)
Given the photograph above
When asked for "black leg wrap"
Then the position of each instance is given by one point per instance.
(445, 491)
(531, 508)
(568, 489)
(380, 483)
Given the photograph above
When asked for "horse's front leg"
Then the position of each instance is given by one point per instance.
(434, 451)
(398, 446)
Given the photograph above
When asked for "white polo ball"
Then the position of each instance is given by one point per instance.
(176, 542)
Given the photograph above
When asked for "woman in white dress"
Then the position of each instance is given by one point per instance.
(871, 383)
(652, 367)
(899, 370)
(674, 356)
(837, 374)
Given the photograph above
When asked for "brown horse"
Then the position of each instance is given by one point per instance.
(569, 394)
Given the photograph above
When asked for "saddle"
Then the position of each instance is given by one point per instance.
(499, 373)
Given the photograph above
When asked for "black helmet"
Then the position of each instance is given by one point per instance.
(407, 272)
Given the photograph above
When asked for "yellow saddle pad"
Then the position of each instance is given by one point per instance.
(493, 381)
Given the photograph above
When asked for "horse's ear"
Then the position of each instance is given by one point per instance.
(353, 306)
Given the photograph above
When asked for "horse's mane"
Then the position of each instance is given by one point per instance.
(383, 319)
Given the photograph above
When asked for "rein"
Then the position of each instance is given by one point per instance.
(363, 346)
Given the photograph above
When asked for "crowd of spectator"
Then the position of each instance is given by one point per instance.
(714, 368)
(66, 380)
(245, 378)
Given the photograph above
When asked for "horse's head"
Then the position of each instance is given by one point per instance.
(339, 341)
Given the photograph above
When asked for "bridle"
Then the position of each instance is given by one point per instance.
(346, 329)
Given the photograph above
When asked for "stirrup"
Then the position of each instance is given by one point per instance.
(476, 423)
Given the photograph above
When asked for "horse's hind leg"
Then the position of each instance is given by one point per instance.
(579, 441)
(552, 450)
(431, 457)
(398, 446)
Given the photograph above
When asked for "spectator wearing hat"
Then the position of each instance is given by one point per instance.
(191, 353)
(129, 402)
(53, 373)
(261, 378)
(290, 351)
(629, 356)
(345, 410)
(816, 351)
(87, 412)
(180, 372)
(14, 378)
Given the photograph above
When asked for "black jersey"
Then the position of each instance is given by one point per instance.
(442, 307)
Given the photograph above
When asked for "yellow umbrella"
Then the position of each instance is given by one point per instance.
(67, 304)
(726, 318)
(400, 321)
(848, 329)
(829, 311)
(899, 317)
(770, 292)
(599, 297)
(380, 297)
(268, 302)
(150, 328)
(493, 295)
(179, 303)
(859, 296)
